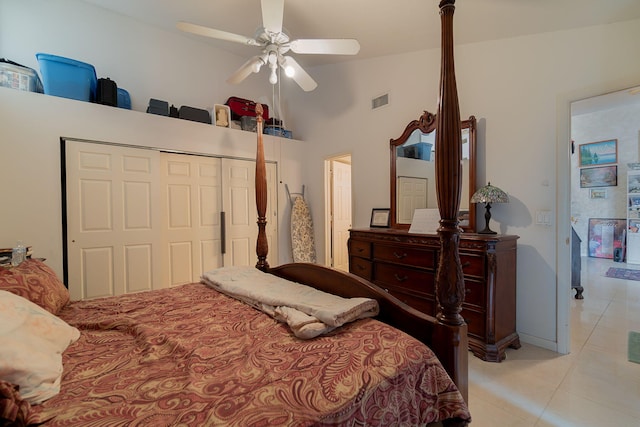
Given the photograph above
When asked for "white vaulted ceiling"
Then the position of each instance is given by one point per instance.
(383, 27)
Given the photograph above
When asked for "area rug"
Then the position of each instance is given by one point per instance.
(634, 347)
(623, 273)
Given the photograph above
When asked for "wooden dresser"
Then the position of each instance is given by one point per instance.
(405, 265)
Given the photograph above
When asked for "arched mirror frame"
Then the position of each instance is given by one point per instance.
(426, 123)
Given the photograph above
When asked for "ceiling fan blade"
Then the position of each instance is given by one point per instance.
(245, 69)
(216, 34)
(326, 46)
(300, 76)
(272, 13)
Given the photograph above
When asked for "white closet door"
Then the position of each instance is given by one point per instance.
(192, 199)
(113, 221)
(239, 205)
(139, 219)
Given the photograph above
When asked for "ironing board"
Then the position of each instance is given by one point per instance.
(302, 242)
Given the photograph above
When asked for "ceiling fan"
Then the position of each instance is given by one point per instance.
(274, 42)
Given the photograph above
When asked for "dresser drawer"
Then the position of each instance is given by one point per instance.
(400, 277)
(475, 293)
(425, 305)
(360, 267)
(476, 325)
(360, 248)
(472, 265)
(405, 255)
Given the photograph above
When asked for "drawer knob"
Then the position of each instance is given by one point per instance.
(466, 264)
(400, 279)
(399, 256)
(360, 267)
(360, 250)
(467, 291)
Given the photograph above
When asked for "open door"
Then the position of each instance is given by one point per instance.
(340, 210)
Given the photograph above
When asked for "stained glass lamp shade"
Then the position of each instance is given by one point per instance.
(487, 195)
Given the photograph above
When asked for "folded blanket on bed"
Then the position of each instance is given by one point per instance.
(308, 311)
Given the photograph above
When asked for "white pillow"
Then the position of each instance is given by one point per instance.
(32, 344)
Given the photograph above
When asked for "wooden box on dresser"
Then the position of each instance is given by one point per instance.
(405, 265)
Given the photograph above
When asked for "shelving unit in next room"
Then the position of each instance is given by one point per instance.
(633, 213)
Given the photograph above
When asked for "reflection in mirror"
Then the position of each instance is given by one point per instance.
(413, 183)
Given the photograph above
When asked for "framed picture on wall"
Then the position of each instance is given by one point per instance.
(598, 193)
(603, 176)
(605, 236)
(599, 153)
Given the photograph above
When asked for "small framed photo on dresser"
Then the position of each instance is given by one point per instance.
(380, 218)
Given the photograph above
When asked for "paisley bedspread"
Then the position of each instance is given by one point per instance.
(190, 356)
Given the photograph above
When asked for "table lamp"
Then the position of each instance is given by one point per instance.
(489, 194)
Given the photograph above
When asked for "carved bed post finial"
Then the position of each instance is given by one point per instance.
(449, 279)
(262, 246)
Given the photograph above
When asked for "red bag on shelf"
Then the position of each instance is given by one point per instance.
(245, 107)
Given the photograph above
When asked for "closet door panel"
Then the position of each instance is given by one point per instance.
(239, 204)
(113, 237)
(192, 235)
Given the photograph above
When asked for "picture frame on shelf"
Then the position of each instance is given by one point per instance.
(634, 202)
(599, 153)
(221, 115)
(633, 183)
(380, 217)
(602, 176)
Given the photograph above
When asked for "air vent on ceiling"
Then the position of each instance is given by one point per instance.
(380, 101)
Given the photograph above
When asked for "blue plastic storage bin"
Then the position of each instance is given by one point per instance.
(124, 100)
(67, 77)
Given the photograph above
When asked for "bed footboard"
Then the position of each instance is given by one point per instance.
(448, 342)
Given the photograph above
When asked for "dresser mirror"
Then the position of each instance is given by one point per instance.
(413, 182)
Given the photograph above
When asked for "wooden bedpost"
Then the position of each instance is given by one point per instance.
(262, 246)
(449, 279)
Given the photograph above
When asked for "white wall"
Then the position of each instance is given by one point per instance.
(520, 90)
(146, 61)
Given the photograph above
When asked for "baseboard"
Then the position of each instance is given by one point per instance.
(538, 342)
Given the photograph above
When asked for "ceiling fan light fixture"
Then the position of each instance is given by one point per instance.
(289, 71)
(274, 42)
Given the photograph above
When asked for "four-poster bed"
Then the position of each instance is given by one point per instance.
(448, 335)
(188, 355)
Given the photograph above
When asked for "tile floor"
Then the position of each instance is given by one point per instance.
(593, 386)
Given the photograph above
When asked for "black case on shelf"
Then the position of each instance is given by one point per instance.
(194, 114)
(107, 92)
(158, 106)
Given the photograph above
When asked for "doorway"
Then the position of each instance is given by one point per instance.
(606, 126)
(338, 210)
(593, 122)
